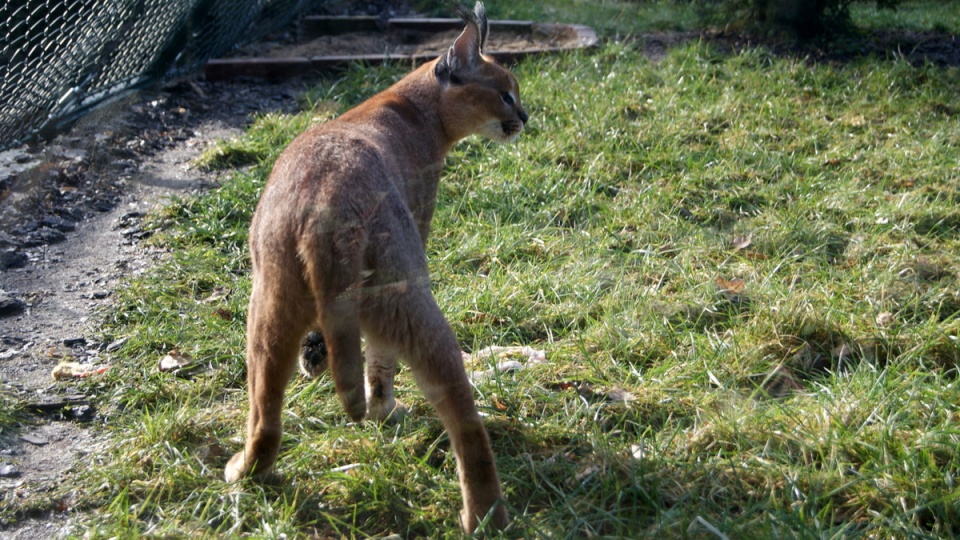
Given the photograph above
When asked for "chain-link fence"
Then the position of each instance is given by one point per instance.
(59, 57)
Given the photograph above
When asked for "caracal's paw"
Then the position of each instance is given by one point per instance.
(387, 412)
(471, 519)
(236, 469)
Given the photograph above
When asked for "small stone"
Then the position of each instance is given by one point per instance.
(8, 471)
(58, 223)
(82, 412)
(8, 241)
(69, 212)
(75, 342)
(103, 206)
(35, 440)
(115, 346)
(124, 164)
(51, 236)
(130, 218)
(75, 154)
(12, 259)
(10, 306)
(43, 235)
(27, 226)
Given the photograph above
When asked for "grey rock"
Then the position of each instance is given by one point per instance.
(10, 306)
(12, 259)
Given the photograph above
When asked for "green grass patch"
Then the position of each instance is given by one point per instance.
(912, 15)
(618, 18)
(743, 271)
(609, 18)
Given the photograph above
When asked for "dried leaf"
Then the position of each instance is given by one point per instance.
(75, 370)
(907, 183)
(732, 290)
(619, 395)
(216, 295)
(731, 286)
(638, 451)
(502, 367)
(175, 360)
(742, 242)
(529, 353)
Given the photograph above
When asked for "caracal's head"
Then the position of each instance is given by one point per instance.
(477, 94)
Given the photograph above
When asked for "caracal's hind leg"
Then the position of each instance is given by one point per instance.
(430, 347)
(381, 358)
(341, 332)
(275, 324)
(381, 368)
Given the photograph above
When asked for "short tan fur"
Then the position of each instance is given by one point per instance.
(337, 245)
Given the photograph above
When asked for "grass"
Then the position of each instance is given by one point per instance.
(742, 269)
(11, 411)
(914, 15)
(608, 18)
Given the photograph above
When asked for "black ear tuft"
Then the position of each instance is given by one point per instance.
(480, 14)
(463, 12)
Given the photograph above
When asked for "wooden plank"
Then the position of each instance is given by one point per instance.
(316, 25)
(286, 67)
(261, 68)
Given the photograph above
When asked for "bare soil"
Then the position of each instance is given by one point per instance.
(400, 42)
(70, 213)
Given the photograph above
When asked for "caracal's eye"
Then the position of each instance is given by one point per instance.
(507, 98)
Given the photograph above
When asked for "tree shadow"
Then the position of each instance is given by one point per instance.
(918, 48)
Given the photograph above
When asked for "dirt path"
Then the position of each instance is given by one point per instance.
(64, 291)
(99, 180)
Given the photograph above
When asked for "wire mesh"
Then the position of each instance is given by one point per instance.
(59, 57)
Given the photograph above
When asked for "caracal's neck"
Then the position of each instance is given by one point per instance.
(405, 119)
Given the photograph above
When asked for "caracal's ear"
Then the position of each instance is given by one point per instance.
(466, 52)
